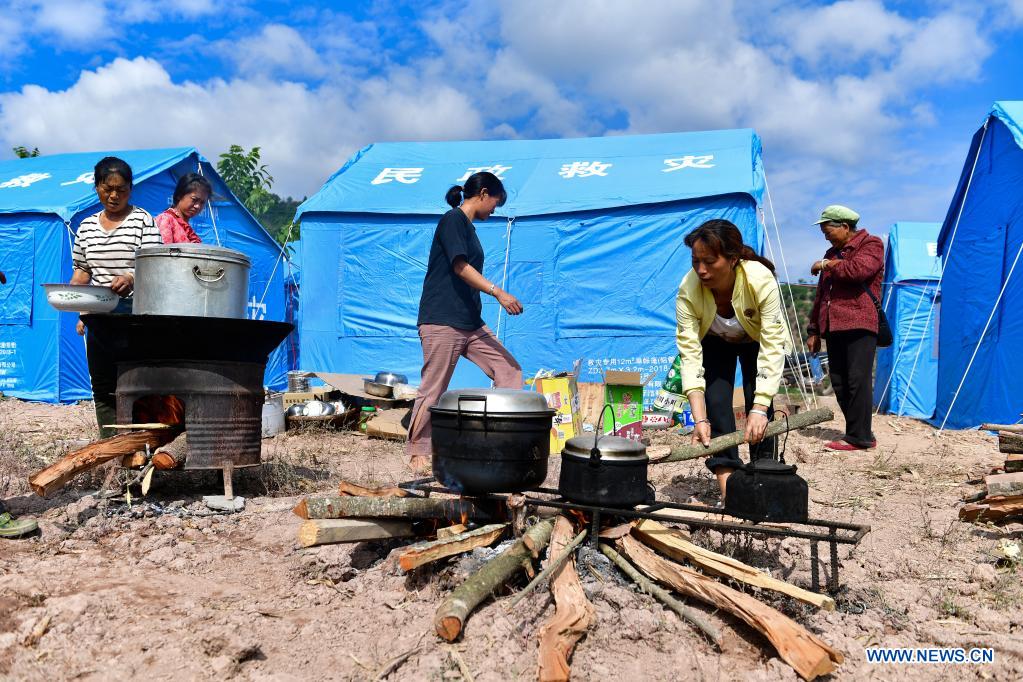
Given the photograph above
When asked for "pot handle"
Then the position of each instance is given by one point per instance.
(477, 398)
(598, 432)
(206, 276)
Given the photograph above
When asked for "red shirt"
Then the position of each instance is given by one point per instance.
(174, 229)
(841, 304)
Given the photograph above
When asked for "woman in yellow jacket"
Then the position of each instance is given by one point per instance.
(729, 310)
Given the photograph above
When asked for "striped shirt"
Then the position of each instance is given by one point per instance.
(107, 254)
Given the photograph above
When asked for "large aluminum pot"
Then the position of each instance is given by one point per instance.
(194, 280)
(491, 440)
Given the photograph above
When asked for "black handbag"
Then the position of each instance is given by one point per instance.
(884, 331)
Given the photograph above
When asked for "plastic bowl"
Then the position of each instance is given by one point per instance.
(81, 298)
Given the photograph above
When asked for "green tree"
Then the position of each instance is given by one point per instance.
(24, 153)
(251, 182)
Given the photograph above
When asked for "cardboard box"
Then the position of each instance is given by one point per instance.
(624, 392)
(326, 394)
(562, 394)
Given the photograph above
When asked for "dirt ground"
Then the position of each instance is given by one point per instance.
(163, 589)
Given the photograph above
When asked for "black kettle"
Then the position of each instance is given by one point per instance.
(767, 490)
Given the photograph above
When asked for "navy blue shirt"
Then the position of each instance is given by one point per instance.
(447, 299)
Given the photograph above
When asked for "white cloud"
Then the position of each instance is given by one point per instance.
(845, 31)
(277, 50)
(12, 41)
(77, 21)
(305, 133)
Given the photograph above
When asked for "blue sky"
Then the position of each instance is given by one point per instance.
(861, 102)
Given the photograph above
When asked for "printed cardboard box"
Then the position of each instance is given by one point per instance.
(562, 394)
(326, 394)
(623, 391)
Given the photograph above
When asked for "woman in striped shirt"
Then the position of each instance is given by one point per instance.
(104, 254)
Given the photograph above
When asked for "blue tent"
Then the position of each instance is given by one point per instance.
(590, 240)
(42, 202)
(980, 330)
(907, 371)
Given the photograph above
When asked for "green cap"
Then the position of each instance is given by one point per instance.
(838, 214)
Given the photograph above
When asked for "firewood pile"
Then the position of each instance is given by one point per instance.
(662, 561)
(1002, 494)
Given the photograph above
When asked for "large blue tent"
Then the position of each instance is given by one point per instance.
(907, 371)
(42, 202)
(590, 240)
(980, 330)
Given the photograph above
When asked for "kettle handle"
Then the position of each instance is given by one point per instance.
(599, 431)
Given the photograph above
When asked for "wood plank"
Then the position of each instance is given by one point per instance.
(672, 542)
(808, 655)
(992, 509)
(329, 531)
(150, 426)
(1010, 442)
(435, 550)
(1013, 463)
(448, 531)
(1004, 485)
(573, 612)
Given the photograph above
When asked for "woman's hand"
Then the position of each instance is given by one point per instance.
(813, 343)
(818, 266)
(122, 285)
(80, 327)
(510, 304)
(756, 425)
(701, 434)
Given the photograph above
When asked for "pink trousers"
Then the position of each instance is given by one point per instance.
(442, 346)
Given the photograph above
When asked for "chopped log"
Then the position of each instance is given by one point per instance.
(1004, 485)
(55, 476)
(172, 455)
(1012, 428)
(673, 543)
(974, 495)
(1014, 463)
(550, 566)
(328, 531)
(662, 595)
(434, 550)
(455, 510)
(1010, 442)
(355, 490)
(992, 509)
(809, 656)
(793, 423)
(454, 610)
(573, 612)
(449, 531)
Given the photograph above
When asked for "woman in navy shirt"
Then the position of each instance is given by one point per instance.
(450, 310)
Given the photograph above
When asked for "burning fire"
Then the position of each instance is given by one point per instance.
(159, 409)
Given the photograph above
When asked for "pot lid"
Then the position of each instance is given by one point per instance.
(611, 447)
(770, 466)
(493, 400)
(200, 251)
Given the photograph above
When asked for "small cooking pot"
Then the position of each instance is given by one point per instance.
(767, 490)
(491, 440)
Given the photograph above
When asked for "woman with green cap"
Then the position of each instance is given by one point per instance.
(845, 316)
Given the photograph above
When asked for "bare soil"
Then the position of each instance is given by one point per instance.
(164, 589)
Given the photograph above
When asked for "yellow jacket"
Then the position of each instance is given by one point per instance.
(757, 302)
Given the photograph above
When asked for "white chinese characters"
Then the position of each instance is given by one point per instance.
(84, 178)
(406, 176)
(703, 161)
(584, 169)
(496, 169)
(24, 180)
